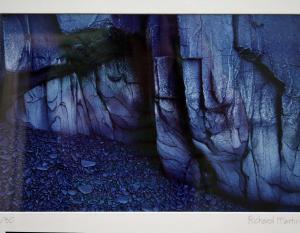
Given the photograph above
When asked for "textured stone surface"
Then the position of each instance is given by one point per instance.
(99, 116)
(173, 146)
(115, 103)
(108, 101)
(121, 91)
(23, 47)
(242, 99)
(224, 94)
(275, 120)
(190, 29)
(16, 43)
(67, 111)
(75, 22)
(217, 115)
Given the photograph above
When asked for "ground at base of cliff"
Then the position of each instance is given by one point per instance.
(44, 171)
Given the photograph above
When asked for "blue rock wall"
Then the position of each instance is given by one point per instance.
(243, 110)
(95, 104)
(220, 91)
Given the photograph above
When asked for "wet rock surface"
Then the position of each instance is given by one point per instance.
(42, 171)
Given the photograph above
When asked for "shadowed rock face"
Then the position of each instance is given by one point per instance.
(30, 43)
(172, 144)
(216, 112)
(243, 110)
(225, 94)
(109, 101)
(274, 140)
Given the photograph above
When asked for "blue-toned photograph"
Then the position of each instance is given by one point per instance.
(115, 112)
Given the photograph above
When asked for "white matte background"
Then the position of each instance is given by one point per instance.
(159, 222)
(151, 6)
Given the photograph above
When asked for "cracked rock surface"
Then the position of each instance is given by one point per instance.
(173, 146)
(243, 110)
(218, 95)
(108, 101)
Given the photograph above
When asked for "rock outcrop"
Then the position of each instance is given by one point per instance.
(108, 101)
(240, 78)
(221, 93)
(216, 113)
(269, 49)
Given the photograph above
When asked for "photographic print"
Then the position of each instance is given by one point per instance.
(180, 112)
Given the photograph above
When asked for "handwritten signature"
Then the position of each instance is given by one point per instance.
(7, 220)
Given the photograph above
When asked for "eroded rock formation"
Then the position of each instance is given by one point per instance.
(240, 101)
(108, 101)
(220, 91)
(172, 144)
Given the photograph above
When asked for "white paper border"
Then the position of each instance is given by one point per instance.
(152, 6)
(160, 222)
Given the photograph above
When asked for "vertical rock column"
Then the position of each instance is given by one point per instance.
(217, 116)
(190, 29)
(173, 145)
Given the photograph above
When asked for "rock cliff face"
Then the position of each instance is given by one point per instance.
(108, 101)
(220, 91)
(243, 110)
